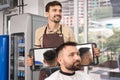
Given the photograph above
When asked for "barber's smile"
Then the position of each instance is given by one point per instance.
(57, 16)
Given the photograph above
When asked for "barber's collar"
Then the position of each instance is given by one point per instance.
(54, 31)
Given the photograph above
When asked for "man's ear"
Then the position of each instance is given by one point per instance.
(46, 14)
(59, 60)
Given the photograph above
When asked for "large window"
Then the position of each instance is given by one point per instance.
(104, 29)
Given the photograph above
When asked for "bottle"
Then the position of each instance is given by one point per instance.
(19, 75)
(21, 51)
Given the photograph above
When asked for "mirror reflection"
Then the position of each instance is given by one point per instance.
(86, 56)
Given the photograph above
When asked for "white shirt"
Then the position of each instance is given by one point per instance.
(77, 76)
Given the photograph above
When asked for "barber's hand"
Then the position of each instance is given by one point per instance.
(29, 60)
(96, 52)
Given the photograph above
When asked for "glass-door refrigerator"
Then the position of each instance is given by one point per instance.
(22, 31)
(17, 56)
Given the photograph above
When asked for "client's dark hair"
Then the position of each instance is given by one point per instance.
(83, 50)
(50, 55)
(58, 49)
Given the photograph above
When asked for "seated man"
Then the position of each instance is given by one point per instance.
(69, 60)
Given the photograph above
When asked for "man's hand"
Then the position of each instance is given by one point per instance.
(96, 52)
(29, 60)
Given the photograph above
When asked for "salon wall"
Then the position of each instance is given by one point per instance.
(31, 6)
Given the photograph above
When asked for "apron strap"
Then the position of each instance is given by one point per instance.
(45, 30)
(61, 29)
(56, 32)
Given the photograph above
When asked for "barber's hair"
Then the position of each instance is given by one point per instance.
(53, 3)
(50, 55)
(58, 49)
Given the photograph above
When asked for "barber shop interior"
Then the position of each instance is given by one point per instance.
(60, 39)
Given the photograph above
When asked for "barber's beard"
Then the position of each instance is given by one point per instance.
(57, 20)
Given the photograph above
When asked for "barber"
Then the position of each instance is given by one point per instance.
(53, 34)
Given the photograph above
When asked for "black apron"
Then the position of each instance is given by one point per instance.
(52, 40)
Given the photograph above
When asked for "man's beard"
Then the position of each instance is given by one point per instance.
(76, 66)
(57, 21)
